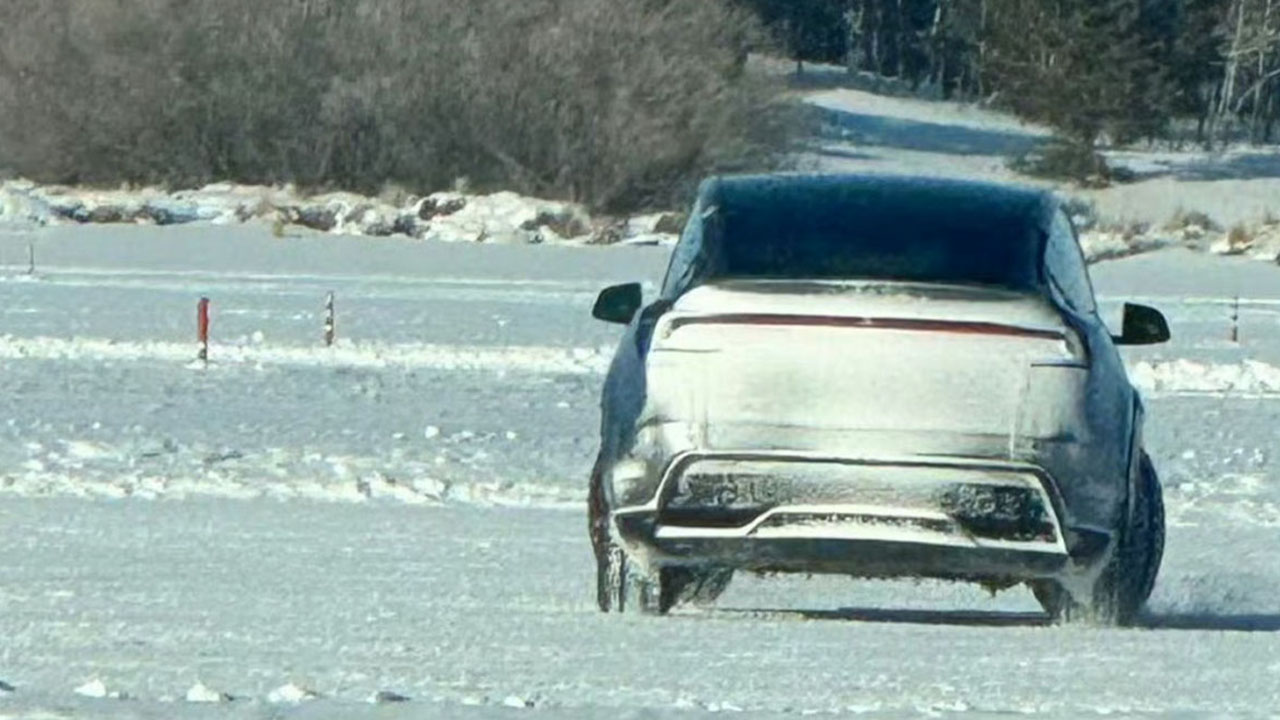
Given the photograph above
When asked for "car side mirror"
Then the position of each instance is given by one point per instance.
(618, 304)
(1143, 326)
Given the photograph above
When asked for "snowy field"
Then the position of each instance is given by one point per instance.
(402, 513)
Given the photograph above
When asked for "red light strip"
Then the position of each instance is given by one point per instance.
(947, 326)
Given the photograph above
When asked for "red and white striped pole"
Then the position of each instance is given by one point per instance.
(330, 324)
(202, 329)
(1235, 320)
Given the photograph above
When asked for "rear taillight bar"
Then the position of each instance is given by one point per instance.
(843, 321)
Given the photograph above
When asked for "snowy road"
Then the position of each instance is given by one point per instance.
(400, 513)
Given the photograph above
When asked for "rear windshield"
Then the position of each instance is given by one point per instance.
(886, 243)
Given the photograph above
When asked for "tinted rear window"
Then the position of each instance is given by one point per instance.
(827, 235)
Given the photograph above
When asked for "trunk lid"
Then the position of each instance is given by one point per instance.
(834, 366)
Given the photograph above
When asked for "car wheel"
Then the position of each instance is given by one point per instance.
(1122, 589)
(622, 588)
(620, 585)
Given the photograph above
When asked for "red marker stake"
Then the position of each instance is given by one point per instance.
(202, 329)
(330, 326)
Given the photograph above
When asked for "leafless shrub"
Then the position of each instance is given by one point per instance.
(1183, 219)
(1239, 238)
(617, 105)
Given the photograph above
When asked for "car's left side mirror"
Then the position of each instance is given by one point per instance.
(1143, 326)
(618, 304)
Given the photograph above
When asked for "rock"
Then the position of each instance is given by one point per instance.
(406, 224)
(383, 697)
(610, 234)
(562, 221)
(322, 218)
(370, 220)
(7, 689)
(170, 214)
(670, 224)
(61, 203)
(440, 204)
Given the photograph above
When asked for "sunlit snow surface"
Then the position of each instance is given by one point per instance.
(298, 531)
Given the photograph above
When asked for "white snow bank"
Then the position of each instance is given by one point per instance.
(1249, 378)
(1112, 244)
(448, 217)
(278, 475)
(200, 693)
(1258, 243)
(97, 689)
(528, 359)
(291, 694)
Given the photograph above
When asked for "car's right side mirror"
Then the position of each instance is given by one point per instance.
(1143, 326)
(618, 304)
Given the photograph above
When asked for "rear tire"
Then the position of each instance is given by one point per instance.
(623, 587)
(1121, 591)
(620, 585)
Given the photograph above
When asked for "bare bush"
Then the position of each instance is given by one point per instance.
(617, 105)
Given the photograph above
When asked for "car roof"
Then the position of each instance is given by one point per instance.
(907, 201)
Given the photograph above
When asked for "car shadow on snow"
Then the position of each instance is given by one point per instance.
(1259, 622)
(921, 136)
(980, 618)
(1250, 166)
(976, 618)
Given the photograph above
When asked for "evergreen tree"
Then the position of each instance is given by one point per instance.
(1084, 67)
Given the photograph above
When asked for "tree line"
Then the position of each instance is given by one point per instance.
(620, 106)
(1114, 70)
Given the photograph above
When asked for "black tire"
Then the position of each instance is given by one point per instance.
(621, 587)
(1122, 589)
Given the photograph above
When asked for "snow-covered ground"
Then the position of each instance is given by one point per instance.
(294, 531)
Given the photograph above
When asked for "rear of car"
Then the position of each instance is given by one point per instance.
(864, 376)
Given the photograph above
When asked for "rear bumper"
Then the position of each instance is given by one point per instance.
(844, 556)
(855, 532)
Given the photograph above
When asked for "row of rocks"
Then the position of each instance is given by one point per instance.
(450, 217)
(508, 218)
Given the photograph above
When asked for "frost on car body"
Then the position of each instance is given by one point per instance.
(878, 377)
